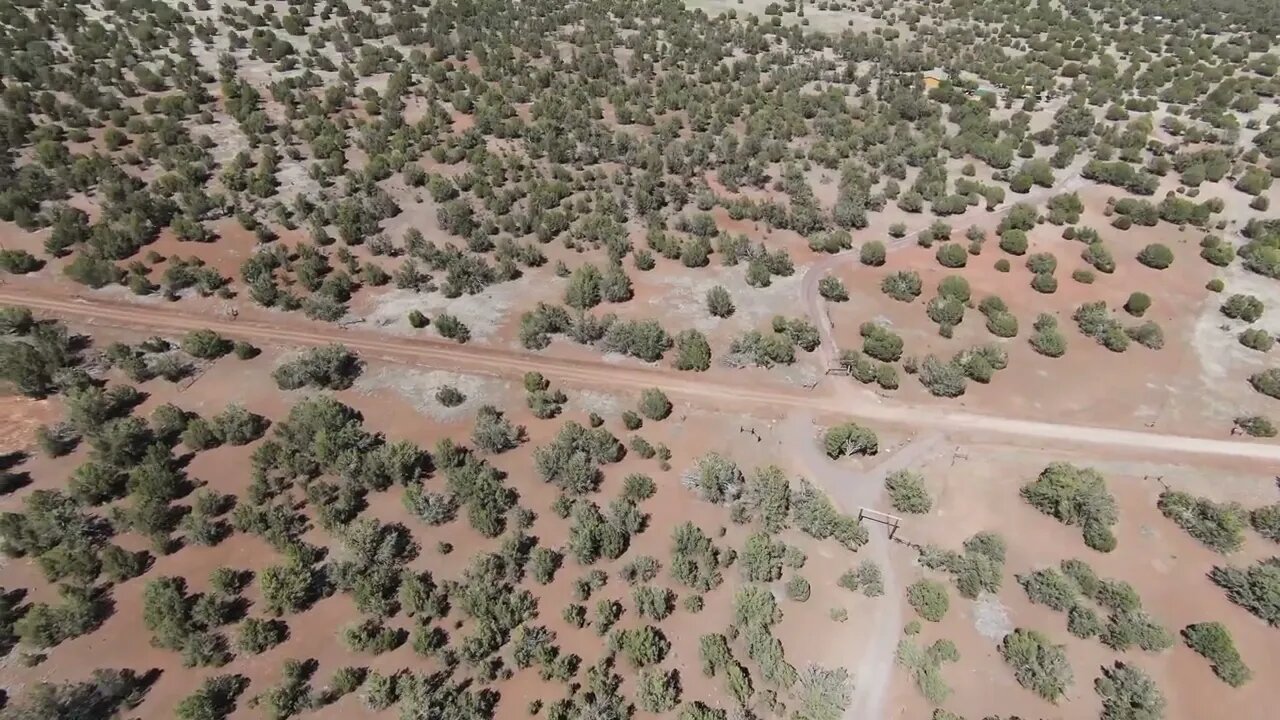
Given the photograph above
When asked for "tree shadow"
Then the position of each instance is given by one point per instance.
(10, 460)
(11, 482)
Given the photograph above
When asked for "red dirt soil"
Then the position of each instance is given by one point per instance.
(1166, 566)
(809, 635)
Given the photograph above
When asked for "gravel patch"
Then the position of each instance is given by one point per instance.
(419, 387)
(685, 294)
(801, 373)
(603, 404)
(1215, 338)
(294, 181)
(121, 293)
(483, 314)
(991, 618)
(228, 140)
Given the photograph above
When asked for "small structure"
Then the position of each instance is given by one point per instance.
(893, 522)
(970, 83)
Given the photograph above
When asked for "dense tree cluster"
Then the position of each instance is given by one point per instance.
(566, 130)
(1076, 496)
(1067, 588)
(977, 569)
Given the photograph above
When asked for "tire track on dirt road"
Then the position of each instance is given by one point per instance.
(720, 392)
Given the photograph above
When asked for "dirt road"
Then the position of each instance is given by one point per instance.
(722, 391)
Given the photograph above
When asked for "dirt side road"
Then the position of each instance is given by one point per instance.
(695, 388)
(852, 490)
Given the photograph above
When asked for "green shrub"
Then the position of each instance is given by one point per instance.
(1256, 426)
(945, 311)
(942, 379)
(692, 351)
(924, 664)
(332, 367)
(1083, 575)
(817, 517)
(1148, 334)
(800, 332)
(654, 404)
(977, 570)
(1267, 382)
(850, 439)
(1044, 283)
(991, 305)
(1137, 304)
(1257, 339)
(1242, 307)
(1038, 664)
(1083, 276)
(450, 396)
(1128, 627)
(258, 636)
(1048, 341)
(1128, 694)
(1213, 641)
(214, 700)
(1083, 622)
(719, 303)
(205, 344)
(1014, 242)
(1255, 588)
(887, 377)
(952, 255)
(904, 285)
(1099, 257)
(954, 287)
(1266, 520)
(452, 328)
(1076, 496)
(880, 342)
(832, 289)
(642, 339)
(19, 262)
(1042, 263)
(872, 253)
(929, 599)
(1156, 256)
(643, 646)
(1050, 588)
(907, 492)
(237, 426)
(798, 589)
(867, 577)
(1002, 324)
(1219, 254)
(1218, 526)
